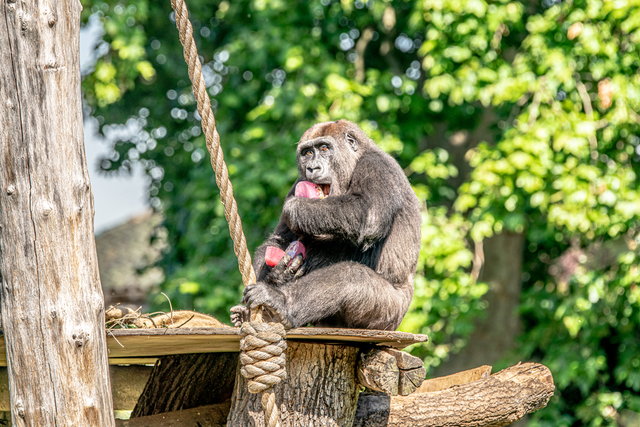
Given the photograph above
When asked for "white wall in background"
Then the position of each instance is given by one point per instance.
(116, 198)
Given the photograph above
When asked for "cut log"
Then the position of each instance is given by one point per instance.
(320, 389)
(390, 371)
(494, 401)
(410, 380)
(378, 370)
(187, 381)
(404, 360)
(51, 299)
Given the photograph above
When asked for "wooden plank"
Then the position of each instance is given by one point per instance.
(395, 339)
(131, 346)
(125, 361)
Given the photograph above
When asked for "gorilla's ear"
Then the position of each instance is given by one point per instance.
(353, 142)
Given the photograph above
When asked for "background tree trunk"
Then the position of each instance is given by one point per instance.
(495, 335)
(52, 304)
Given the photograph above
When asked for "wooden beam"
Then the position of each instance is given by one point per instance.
(51, 299)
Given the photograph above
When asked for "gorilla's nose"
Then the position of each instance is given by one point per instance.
(314, 170)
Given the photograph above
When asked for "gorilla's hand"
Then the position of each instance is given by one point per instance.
(268, 297)
(283, 273)
(239, 314)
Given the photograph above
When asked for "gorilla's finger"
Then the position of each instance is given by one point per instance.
(282, 264)
(295, 264)
(300, 271)
(246, 290)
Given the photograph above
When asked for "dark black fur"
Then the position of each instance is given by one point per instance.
(362, 241)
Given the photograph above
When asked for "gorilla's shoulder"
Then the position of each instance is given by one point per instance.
(375, 162)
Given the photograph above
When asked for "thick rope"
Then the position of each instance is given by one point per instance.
(262, 355)
(213, 141)
(262, 348)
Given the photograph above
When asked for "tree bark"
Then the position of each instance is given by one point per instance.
(320, 389)
(51, 299)
(187, 381)
(497, 400)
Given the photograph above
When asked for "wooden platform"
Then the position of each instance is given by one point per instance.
(144, 346)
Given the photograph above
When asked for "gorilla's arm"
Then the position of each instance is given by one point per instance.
(363, 215)
(281, 237)
(346, 294)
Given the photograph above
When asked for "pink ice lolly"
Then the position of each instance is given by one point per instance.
(296, 248)
(309, 190)
(273, 255)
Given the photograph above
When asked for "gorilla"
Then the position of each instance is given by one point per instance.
(362, 240)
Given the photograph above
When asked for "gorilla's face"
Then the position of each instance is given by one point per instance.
(315, 159)
(328, 153)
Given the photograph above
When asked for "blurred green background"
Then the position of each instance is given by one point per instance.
(515, 122)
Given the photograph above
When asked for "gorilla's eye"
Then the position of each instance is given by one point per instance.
(307, 153)
(324, 148)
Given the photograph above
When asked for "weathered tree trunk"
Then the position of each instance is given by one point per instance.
(52, 304)
(320, 389)
(187, 381)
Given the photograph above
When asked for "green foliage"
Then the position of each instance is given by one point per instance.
(556, 89)
(446, 302)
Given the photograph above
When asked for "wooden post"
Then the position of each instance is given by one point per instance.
(51, 299)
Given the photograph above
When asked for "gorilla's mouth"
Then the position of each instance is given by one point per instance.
(326, 189)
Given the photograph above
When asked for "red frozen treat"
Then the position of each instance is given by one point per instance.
(273, 255)
(296, 248)
(309, 190)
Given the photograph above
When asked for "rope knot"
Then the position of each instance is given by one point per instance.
(262, 354)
